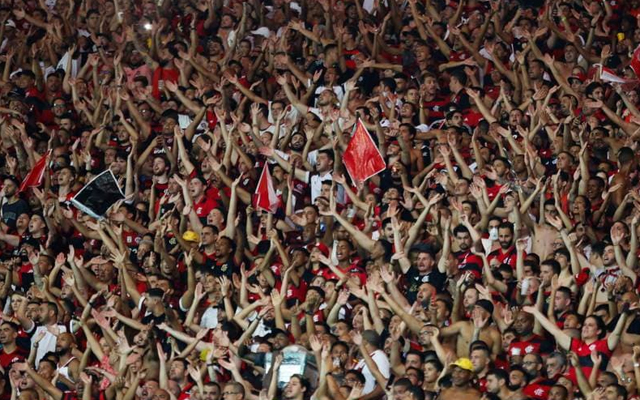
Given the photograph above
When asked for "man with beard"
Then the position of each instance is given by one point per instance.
(506, 254)
(13, 205)
(480, 357)
(462, 382)
(67, 364)
(603, 262)
(179, 374)
(497, 384)
(134, 67)
(424, 270)
(538, 386)
(44, 335)
(467, 261)
(10, 351)
(527, 342)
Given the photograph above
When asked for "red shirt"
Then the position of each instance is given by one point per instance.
(7, 358)
(583, 350)
(204, 206)
(538, 389)
(536, 344)
(507, 257)
(163, 74)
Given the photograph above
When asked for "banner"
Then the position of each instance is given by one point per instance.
(98, 195)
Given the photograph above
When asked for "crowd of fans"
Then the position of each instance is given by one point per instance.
(494, 257)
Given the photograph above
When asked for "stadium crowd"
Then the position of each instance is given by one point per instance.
(494, 256)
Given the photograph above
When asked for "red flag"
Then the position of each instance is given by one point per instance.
(362, 157)
(265, 197)
(34, 178)
(635, 61)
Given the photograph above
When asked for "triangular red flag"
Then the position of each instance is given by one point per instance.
(362, 157)
(265, 197)
(34, 177)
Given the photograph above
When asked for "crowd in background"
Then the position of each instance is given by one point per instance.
(495, 257)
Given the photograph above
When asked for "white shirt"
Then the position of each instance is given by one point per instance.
(382, 362)
(209, 318)
(48, 342)
(315, 182)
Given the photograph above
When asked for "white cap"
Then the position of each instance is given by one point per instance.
(422, 128)
(295, 7)
(263, 31)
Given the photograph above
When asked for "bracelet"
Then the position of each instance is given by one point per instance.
(636, 365)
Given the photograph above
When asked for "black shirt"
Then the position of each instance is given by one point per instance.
(415, 279)
(11, 212)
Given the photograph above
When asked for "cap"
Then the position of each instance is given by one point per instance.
(191, 236)
(577, 77)
(263, 31)
(320, 246)
(155, 292)
(486, 304)
(276, 332)
(463, 363)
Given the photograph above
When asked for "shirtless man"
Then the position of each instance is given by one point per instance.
(465, 330)
(543, 233)
(461, 379)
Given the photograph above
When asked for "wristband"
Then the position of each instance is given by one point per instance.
(636, 365)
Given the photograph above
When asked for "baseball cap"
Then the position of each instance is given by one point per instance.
(486, 304)
(320, 246)
(463, 363)
(191, 236)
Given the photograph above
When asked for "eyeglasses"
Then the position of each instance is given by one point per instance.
(530, 363)
(227, 393)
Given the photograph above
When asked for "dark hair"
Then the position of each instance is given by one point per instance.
(416, 391)
(554, 265)
(500, 374)
(460, 77)
(52, 307)
(602, 327)
(598, 248)
(390, 83)
(460, 229)
(506, 225)
(403, 382)
(625, 156)
(359, 376)
(416, 353)
(621, 391)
